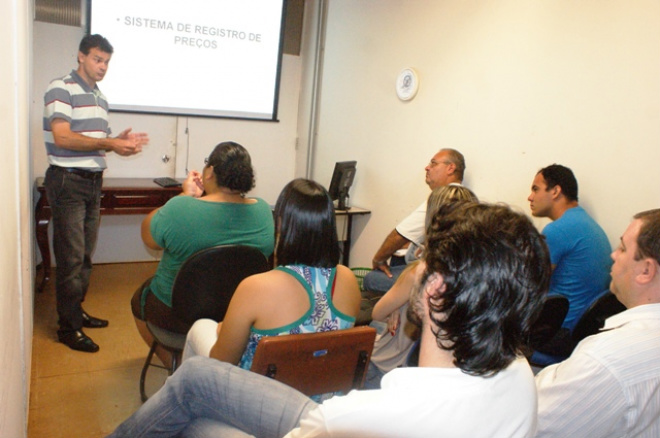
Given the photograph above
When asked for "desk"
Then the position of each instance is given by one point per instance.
(118, 196)
(141, 196)
(346, 243)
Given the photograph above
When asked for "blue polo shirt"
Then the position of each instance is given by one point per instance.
(580, 251)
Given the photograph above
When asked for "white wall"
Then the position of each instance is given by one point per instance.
(187, 140)
(15, 233)
(514, 85)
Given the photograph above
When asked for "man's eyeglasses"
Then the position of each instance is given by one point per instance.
(434, 163)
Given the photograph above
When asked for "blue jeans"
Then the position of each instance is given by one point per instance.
(377, 281)
(209, 398)
(75, 204)
(373, 377)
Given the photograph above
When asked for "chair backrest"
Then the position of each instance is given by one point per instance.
(593, 319)
(549, 320)
(317, 363)
(206, 281)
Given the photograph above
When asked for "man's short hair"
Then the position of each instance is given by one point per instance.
(95, 41)
(457, 159)
(562, 176)
(648, 241)
(496, 270)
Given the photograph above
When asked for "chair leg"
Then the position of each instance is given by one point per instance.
(143, 375)
(360, 370)
(175, 362)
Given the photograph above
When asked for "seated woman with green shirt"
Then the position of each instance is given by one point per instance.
(212, 210)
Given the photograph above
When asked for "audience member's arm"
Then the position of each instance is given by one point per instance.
(580, 397)
(145, 231)
(347, 295)
(235, 328)
(392, 243)
(399, 294)
(192, 186)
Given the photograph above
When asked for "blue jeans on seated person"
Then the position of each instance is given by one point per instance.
(377, 281)
(209, 398)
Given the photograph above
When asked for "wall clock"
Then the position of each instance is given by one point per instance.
(407, 84)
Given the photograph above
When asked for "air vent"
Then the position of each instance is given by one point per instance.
(66, 12)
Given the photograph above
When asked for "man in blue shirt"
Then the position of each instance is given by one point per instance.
(579, 248)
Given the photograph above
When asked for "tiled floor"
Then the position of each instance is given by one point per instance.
(76, 394)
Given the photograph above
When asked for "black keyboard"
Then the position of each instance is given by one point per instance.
(166, 181)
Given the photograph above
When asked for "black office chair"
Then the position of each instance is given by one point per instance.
(594, 317)
(591, 321)
(203, 288)
(549, 321)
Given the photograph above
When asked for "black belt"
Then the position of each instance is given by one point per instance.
(88, 174)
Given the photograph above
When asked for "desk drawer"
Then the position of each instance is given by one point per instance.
(136, 199)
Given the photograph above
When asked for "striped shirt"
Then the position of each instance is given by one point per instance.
(610, 386)
(71, 99)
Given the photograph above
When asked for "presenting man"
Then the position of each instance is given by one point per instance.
(475, 308)
(446, 167)
(610, 385)
(579, 248)
(76, 134)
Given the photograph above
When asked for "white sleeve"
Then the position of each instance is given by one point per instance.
(312, 425)
(412, 227)
(578, 398)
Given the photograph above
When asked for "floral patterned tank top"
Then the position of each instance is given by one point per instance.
(322, 315)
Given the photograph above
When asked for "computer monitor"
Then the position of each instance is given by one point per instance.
(342, 178)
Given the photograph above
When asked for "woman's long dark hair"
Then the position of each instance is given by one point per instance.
(305, 220)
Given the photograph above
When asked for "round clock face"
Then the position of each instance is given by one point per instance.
(407, 84)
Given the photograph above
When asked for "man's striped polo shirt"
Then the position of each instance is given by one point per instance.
(72, 99)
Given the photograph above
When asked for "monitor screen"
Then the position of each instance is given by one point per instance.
(219, 58)
(342, 179)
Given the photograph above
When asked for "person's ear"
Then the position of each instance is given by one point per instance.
(434, 286)
(451, 169)
(648, 271)
(556, 191)
(421, 295)
(208, 172)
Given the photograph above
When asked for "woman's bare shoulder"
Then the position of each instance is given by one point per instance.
(266, 282)
(345, 271)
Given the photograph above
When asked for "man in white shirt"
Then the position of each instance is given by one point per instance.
(445, 168)
(610, 385)
(475, 307)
